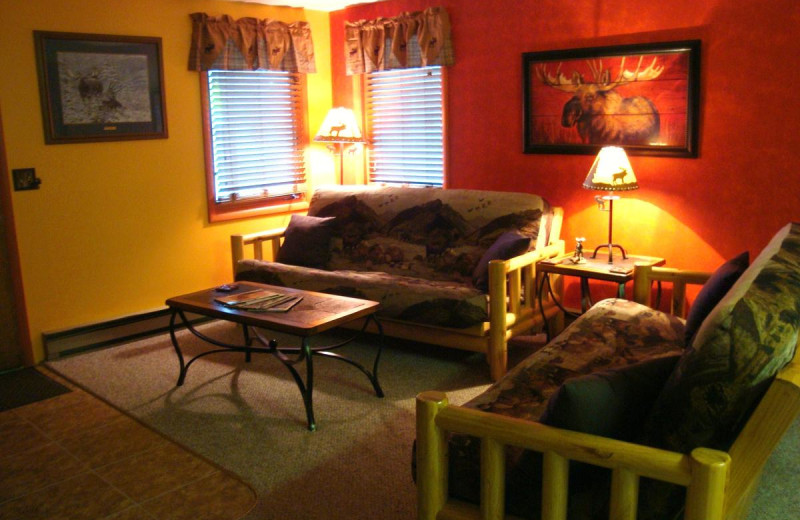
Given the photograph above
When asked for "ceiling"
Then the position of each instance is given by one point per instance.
(318, 5)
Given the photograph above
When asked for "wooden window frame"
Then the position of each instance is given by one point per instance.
(367, 122)
(247, 208)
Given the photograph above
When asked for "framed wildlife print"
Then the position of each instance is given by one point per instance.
(642, 97)
(99, 87)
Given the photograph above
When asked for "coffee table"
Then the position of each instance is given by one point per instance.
(316, 313)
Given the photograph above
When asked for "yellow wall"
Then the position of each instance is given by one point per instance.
(116, 228)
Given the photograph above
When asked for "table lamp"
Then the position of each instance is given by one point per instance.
(340, 129)
(611, 172)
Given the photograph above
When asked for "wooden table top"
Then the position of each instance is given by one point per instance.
(598, 268)
(316, 312)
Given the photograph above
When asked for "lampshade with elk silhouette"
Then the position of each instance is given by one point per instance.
(611, 172)
(339, 126)
(340, 130)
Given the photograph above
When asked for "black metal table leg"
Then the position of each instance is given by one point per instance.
(546, 281)
(182, 371)
(374, 376)
(539, 292)
(586, 295)
(304, 353)
(308, 395)
(225, 347)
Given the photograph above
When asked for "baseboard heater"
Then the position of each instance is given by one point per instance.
(61, 343)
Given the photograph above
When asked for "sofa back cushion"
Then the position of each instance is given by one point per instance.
(746, 339)
(612, 334)
(306, 241)
(429, 233)
(713, 290)
(507, 245)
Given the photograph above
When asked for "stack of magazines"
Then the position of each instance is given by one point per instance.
(260, 300)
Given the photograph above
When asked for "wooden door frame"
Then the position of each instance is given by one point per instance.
(23, 331)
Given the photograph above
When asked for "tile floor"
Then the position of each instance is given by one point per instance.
(75, 457)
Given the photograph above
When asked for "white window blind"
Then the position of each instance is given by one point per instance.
(256, 122)
(404, 110)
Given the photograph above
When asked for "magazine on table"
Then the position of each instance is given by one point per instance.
(260, 300)
(256, 295)
(284, 306)
(281, 304)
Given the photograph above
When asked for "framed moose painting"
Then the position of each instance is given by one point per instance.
(643, 97)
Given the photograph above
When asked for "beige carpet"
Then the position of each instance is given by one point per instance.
(249, 418)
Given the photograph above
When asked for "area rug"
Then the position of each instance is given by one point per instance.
(249, 418)
(26, 386)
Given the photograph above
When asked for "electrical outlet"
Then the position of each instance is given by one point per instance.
(25, 179)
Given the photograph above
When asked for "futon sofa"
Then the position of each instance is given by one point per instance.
(631, 412)
(449, 267)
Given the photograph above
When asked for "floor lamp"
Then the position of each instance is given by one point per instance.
(610, 172)
(340, 130)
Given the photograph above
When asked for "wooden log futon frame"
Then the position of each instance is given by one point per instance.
(720, 485)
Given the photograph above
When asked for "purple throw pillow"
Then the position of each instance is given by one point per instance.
(507, 245)
(306, 241)
(713, 291)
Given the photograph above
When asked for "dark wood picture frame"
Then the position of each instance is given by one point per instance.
(643, 97)
(100, 87)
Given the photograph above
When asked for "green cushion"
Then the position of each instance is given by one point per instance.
(745, 340)
(611, 403)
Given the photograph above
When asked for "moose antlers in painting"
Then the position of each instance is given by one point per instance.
(600, 113)
(643, 96)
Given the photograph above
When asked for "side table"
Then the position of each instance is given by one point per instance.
(620, 272)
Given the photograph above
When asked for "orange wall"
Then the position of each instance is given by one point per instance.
(694, 212)
(118, 227)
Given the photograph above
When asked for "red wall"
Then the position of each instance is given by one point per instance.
(694, 212)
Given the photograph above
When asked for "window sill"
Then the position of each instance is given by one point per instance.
(226, 212)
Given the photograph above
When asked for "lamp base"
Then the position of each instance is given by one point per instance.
(339, 148)
(610, 252)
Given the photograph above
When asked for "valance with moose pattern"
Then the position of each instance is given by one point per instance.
(222, 43)
(417, 39)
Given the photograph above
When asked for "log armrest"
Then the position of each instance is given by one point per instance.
(238, 242)
(512, 296)
(645, 275)
(513, 302)
(704, 472)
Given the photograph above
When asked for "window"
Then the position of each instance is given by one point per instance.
(405, 117)
(254, 142)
